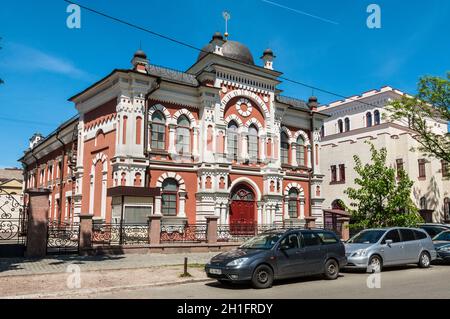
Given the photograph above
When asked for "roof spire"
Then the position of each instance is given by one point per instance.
(227, 17)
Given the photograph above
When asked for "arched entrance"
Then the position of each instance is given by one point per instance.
(242, 209)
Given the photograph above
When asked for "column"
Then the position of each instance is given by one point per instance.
(225, 144)
(157, 209)
(309, 156)
(37, 222)
(345, 231)
(262, 150)
(244, 144)
(85, 240)
(172, 149)
(181, 211)
(195, 142)
(286, 207)
(294, 154)
(211, 229)
(302, 208)
(154, 229)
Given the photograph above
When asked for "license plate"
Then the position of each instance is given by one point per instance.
(215, 271)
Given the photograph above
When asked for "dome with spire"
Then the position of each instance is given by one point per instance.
(140, 54)
(231, 49)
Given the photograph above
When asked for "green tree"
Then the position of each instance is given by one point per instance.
(431, 102)
(382, 198)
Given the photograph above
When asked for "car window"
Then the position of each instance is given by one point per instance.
(311, 239)
(370, 236)
(419, 234)
(327, 238)
(392, 235)
(291, 241)
(444, 236)
(407, 235)
(433, 231)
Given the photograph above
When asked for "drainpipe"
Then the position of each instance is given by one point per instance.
(61, 178)
(146, 154)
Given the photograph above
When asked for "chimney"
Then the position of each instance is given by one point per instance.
(140, 61)
(268, 58)
(312, 103)
(34, 140)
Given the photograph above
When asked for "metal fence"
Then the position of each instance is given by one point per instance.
(243, 232)
(188, 233)
(63, 238)
(120, 234)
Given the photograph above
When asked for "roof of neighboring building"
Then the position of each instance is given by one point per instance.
(296, 103)
(7, 174)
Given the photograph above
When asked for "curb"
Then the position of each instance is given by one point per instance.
(106, 289)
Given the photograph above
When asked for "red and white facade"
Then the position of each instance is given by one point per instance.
(215, 140)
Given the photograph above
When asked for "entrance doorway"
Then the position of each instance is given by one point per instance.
(242, 210)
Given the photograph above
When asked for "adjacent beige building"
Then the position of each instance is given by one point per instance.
(363, 118)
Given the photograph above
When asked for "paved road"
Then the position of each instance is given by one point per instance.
(404, 282)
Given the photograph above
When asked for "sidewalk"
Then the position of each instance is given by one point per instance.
(51, 277)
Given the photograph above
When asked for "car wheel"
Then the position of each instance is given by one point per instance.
(331, 269)
(375, 264)
(262, 277)
(424, 260)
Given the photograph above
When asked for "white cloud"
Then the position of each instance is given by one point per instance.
(19, 57)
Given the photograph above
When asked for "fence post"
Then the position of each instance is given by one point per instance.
(85, 239)
(37, 222)
(345, 230)
(310, 222)
(211, 229)
(154, 229)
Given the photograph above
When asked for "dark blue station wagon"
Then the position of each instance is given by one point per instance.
(280, 254)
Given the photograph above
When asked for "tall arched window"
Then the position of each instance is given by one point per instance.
(124, 129)
(376, 116)
(368, 119)
(183, 135)
(138, 129)
(293, 203)
(300, 151)
(169, 197)
(232, 139)
(340, 126)
(158, 131)
(347, 124)
(423, 203)
(284, 145)
(253, 142)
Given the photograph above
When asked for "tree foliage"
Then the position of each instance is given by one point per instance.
(382, 199)
(431, 102)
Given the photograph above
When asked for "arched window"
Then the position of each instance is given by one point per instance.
(376, 116)
(232, 140)
(138, 129)
(124, 130)
(253, 142)
(322, 131)
(340, 126)
(300, 151)
(169, 197)
(347, 124)
(293, 203)
(183, 135)
(158, 131)
(446, 209)
(284, 145)
(423, 203)
(368, 119)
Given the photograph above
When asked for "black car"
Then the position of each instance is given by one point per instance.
(434, 229)
(280, 254)
(442, 244)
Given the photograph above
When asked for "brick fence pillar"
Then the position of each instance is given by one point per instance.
(38, 208)
(211, 229)
(345, 231)
(85, 232)
(310, 222)
(154, 229)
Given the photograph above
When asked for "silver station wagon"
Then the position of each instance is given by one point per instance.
(373, 249)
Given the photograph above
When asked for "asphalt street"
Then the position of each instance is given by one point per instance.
(399, 282)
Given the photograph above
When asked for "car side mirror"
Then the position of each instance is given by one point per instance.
(284, 247)
(388, 242)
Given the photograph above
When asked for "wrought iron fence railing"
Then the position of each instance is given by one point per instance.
(187, 233)
(62, 237)
(120, 234)
(243, 232)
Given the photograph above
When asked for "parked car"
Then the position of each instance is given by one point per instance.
(372, 249)
(434, 229)
(280, 254)
(442, 244)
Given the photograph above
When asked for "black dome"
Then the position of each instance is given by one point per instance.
(231, 49)
(140, 54)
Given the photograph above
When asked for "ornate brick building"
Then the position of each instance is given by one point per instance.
(217, 139)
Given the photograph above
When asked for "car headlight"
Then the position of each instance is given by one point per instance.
(237, 262)
(359, 253)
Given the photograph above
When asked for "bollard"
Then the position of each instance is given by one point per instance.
(185, 267)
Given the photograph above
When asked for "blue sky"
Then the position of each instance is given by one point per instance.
(43, 62)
